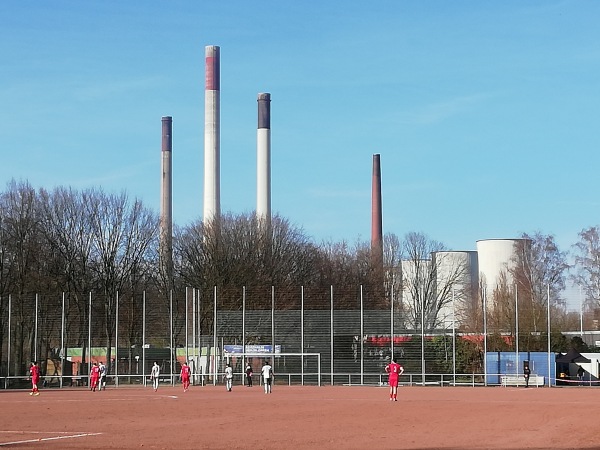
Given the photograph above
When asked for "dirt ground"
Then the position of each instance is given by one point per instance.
(295, 417)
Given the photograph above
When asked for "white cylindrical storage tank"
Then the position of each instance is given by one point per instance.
(497, 256)
(457, 278)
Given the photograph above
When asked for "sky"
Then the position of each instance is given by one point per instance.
(485, 114)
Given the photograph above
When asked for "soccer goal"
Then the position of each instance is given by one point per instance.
(298, 368)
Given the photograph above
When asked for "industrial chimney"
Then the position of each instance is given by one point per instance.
(212, 133)
(376, 215)
(263, 159)
(166, 199)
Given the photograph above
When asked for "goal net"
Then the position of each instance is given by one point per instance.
(288, 368)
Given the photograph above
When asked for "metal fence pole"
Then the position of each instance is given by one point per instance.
(580, 313)
(302, 334)
(243, 331)
(62, 342)
(187, 299)
(392, 318)
(549, 373)
(89, 355)
(362, 337)
(171, 334)
(116, 368)
(198, 347)
(453, 339)
(144, 337)
(422, 339)
(272, 321)
(194, 319)
(517, 329)
(35, 337)
(215, 342)
(485, 337)
(331, 331)
(199, 324)
(9, 349)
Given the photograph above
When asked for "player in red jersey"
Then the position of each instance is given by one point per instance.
(34, 374)
(394, 370)
(94, 376)
(185, 376)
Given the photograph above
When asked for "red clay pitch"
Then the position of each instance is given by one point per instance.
(295, 417)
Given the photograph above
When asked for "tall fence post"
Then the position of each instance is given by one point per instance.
(89, 349)
(331, 331)
(198, 347)
(62, 342)
(517, 329)
(362, 338)
(9, 347)
(116, 365)
(215, 341)
(193, 320)
(392, 318)
(422, 339)
(485, 337)
(171, 335)
(144, 337)
(549, 347)
(243, 331)
(187, 300)
(453, 340)
(302, 335)
(35, 337)
(273, 324)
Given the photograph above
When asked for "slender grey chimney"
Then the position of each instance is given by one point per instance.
(166, 199)
(263, 159)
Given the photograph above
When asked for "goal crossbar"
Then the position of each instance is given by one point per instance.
(246, 355)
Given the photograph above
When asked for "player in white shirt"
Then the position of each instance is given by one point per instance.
(267, 374)
(228, 377)
(102, 383)
(154, 375)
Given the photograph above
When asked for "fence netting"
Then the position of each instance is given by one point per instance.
(353, 330)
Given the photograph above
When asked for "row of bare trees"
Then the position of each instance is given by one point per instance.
(65, 241)
(79, 242)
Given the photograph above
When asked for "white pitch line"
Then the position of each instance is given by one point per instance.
(40, 432)
(54, 438)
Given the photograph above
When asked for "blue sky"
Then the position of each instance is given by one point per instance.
(485, 113)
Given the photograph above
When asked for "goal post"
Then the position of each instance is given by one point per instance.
(292, 365)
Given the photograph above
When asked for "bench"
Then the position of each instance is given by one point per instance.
(519, 380)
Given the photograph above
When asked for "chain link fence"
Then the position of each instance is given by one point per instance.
(354, 331)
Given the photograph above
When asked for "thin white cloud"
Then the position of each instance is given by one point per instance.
(338, 193)
(116, 177)
(440, 111)
(96, 90)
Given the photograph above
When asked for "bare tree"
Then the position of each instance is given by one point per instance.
(539, 266)
(392, 262)
(501, 315)
(240, 252)
(22, 254)
(122, 235)
(67, 230)
(587, 265)
(428, 277)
